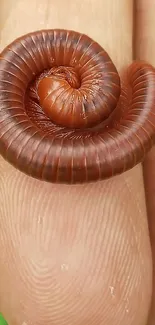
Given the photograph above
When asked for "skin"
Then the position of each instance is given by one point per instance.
(74, 254)
(145, 49)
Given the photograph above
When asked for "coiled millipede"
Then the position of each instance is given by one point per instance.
(64, 114)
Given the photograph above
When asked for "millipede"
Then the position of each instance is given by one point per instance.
(66, 115)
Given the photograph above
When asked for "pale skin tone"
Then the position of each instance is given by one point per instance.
(145, 49)
(77, 255)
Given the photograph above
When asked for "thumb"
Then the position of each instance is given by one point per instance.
(74, 254)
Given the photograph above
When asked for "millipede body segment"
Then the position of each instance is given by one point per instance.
(65, 115)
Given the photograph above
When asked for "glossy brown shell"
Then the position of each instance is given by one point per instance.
(64, 114)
